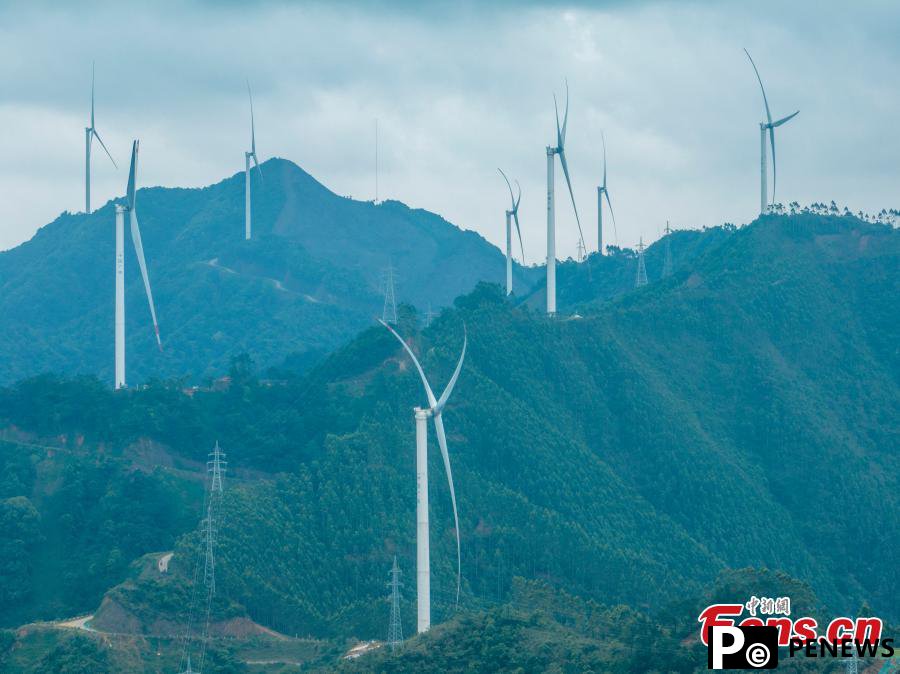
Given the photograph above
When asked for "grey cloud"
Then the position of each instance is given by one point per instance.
(459, 90)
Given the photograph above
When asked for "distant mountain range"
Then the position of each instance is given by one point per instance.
(310, 279)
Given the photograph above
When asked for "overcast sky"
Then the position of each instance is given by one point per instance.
(458, 90)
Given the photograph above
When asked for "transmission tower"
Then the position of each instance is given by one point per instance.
(389, 313)
(216, 466)
(429, 315)
(667, 264)
(580, 254)
(641, 279)
(395, 628)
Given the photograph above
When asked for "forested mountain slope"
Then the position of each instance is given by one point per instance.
(309, 280)
(742, 412)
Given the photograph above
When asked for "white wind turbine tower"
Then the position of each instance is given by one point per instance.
(513, 213)
(247, 157)
(131, 208)
(769, 126)
(601, 192)
(551, 206)
(423, 551)
(90, 133)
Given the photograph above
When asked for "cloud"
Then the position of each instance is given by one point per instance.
(458, 90)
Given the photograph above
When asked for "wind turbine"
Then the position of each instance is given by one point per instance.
(513, 213)
(551, 207)
(247, 156)
(131, 208)
(423, 551)
(601, 192)
(90, 133)
(769, 126)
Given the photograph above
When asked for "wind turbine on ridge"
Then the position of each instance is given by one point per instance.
(559, 149)
(601, 192)
(423, 548)
(769, 126)
(131, 209)
(247, 157)
(90, 133)
(512, 213)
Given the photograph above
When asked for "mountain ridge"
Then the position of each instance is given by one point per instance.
(311, 276)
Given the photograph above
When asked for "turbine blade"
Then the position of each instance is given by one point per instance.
(438, 408)
(565, 167)
(562, 143)
(519, 232)
(256, 162)
(511, 198)
(130, 192)
(428, 392)
(142, 263)
(92, 94)
(559, 140)
(103, 145)
(762, 88)
(445, 455)
(784, 119)
(603, 138)
(252, 123)
(774, 165)
(609, 203)
(516, 217)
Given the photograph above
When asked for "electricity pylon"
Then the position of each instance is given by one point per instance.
(216, 467)
(641, 279)
(395, 628)
(667, 264)
(389, 313)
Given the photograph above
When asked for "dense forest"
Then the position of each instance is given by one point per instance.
(741, 412)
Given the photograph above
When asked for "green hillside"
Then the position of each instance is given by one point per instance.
(310, 279)
(743, 412)
(603, 277)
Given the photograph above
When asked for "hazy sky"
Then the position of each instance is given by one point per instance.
(459, 90)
